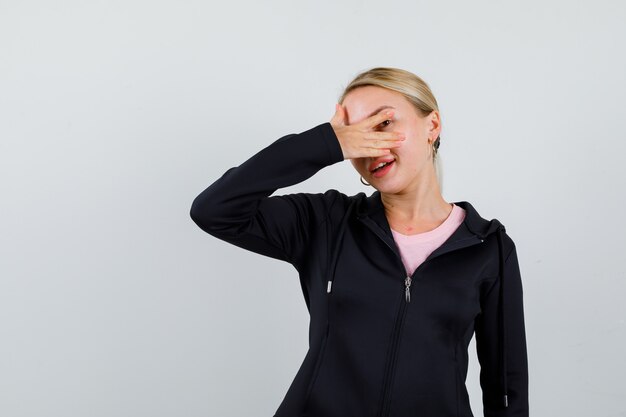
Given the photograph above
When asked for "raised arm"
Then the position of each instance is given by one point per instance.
(237, 207)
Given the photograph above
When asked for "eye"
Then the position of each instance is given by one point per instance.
(385, 123)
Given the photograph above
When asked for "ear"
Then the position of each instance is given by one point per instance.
(434, 124)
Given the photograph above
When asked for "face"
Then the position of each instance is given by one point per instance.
(413, 159)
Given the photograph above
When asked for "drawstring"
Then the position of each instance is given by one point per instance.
(337, 249)
(502, 316)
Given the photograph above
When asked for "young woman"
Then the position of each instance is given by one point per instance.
(397, 282)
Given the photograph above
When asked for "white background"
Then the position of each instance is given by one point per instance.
(114, 115)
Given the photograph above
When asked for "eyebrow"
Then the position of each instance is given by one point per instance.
(379, 109)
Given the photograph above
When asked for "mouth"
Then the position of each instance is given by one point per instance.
(381, 166)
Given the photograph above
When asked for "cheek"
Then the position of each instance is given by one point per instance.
(357, 164)
(410, 148)
(416, 140)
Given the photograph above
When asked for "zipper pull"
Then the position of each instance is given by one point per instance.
(407, 291)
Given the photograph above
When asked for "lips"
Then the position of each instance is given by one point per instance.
(381, 166)
(378, 162)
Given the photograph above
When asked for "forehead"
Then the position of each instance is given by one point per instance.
(362, 102)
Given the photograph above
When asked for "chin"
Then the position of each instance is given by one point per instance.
(389, 187)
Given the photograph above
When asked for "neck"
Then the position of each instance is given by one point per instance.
(420, 202)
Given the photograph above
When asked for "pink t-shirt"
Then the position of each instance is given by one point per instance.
(414, 249)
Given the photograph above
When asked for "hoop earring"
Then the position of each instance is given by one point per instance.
(363, 181)
(434, 147)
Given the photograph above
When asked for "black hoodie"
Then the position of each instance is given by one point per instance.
(380, 343)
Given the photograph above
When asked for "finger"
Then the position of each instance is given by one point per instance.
(391, 136)
(378, 118)
(380, 144)
(335, 119)
(373, 153)
(339, 116)
(378, 152)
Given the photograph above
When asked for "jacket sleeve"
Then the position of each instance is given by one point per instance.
(238, 209)
(488, 342)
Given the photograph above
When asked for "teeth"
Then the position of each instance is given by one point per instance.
(382, 164)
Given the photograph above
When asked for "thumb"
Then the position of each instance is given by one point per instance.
(339, 116)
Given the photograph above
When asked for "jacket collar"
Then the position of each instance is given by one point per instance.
(372, 207)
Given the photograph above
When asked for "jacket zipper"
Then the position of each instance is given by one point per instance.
(407, 290)
(390, 371)
(389, 374)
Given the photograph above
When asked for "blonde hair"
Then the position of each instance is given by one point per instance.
(412, 87)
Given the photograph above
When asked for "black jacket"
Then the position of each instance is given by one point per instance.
(380, 343)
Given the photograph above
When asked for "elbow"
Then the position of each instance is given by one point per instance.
(200, 213)
(212, 216)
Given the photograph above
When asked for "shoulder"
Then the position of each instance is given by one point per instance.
(330, 204)
(343, 204)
